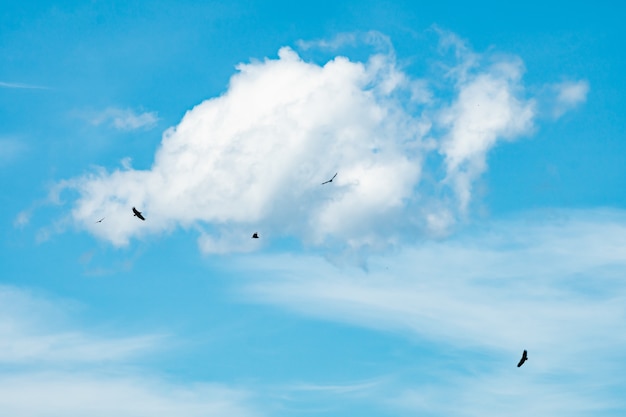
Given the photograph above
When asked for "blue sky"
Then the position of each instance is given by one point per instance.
(479, 208)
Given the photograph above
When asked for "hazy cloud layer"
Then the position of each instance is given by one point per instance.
(519, 283)
(33, 330)
(253, 159)
(551, 284)
(53, 369)
(105, 395)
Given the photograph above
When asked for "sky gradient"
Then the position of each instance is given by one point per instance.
(479, 209)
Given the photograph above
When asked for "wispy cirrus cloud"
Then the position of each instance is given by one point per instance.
(233, 162)
(21, 86)
(104, 394)
(124, 119)
(76, 373)
(469, 289)
(354, 39)
(550, 283)
(33, 330)
(512, 392)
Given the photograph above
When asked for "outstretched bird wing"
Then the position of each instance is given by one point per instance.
(524, 358)
(330, 180)
(138, 214)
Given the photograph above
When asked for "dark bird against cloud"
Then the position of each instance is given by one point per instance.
(255, 236)
(100, 221)
(137, 213)
(330, 180)
(524, 358)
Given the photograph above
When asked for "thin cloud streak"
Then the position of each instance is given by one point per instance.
(373, 38)
(354, 388)
(22, 86)
(125, 119)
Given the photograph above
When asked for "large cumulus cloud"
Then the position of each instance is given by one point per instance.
(253, 158)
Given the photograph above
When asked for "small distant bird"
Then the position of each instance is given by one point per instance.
(524, 358)
(137, 213)
(100, 221)
(330, 180)
(255, 236)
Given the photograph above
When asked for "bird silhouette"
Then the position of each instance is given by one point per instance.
(100, 221)
(255, 236)
(137, 213)
(524, 358)
(330, 180)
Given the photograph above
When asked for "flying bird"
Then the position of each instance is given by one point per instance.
(330, 180)
(524, 358)
(100, 221)
(255, 236)
(137, 213)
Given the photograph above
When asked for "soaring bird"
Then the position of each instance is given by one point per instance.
(100, 221)
(524, 358)
(255, 236)
(137, 213)
(330, 180)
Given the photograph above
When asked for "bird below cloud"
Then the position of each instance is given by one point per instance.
(330, 180)
(524, 358)
(137, 213)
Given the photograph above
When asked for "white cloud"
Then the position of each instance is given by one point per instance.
(465, 58)
(253, 159)
(258, 154)
(125, 119)
(550, 284)
(127, 163)
(490, 107)
(569, 94)
(572, 93)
